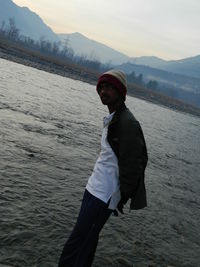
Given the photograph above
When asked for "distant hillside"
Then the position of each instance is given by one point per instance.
(92, 49)
(150, 61)
(96, 50)
(163, 77)
(103, 53)
(29, 23)
(188, 66)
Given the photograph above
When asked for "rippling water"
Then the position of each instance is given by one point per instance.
(50, 130)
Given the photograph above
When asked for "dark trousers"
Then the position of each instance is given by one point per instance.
(80, 248)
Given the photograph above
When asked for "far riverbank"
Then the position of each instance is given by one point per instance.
(46, 63)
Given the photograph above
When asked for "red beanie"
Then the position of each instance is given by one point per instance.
(117, 79)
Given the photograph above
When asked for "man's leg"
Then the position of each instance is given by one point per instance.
(80, 248)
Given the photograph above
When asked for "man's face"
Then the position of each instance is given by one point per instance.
(108, 94)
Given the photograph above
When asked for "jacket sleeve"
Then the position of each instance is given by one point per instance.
(131, 149)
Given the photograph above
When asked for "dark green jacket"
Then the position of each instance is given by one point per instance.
(126, 138)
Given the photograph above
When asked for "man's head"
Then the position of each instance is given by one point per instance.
(112, 86)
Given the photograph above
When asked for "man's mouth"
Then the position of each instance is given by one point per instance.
(104, 97)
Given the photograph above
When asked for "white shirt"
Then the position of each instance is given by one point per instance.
(104, 181)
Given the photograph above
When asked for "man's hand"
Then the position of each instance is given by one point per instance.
(120, 205)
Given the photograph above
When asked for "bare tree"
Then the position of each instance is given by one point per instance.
(13, 31)
(2, 29)
(56, 48)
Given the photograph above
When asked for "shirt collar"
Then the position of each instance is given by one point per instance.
(108, 119)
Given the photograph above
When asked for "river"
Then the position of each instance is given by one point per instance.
(50, 129)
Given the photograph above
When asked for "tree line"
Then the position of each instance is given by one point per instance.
(139, 80)
(58, 49)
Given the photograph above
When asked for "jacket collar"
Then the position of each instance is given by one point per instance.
(117, 113)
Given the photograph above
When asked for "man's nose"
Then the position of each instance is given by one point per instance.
(102, 90)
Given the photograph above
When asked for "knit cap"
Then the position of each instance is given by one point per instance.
(116, 78)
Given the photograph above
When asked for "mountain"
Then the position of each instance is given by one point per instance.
(91, 49)
(103, 53)
(188, 66)
(164, 78)
(29, 23)
(178, 86)
(94, 50)
(151, 61)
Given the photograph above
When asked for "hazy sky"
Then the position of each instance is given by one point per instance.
(169, 29)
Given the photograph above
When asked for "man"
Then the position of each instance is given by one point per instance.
(118, 174)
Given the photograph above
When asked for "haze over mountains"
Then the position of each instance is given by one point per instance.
(183, 74)
(95, 50)
(29, 23)
(84, 46)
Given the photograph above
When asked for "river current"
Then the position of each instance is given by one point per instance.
(50, 130)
